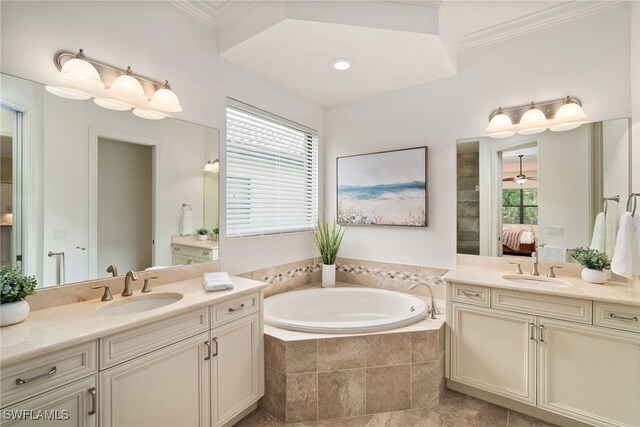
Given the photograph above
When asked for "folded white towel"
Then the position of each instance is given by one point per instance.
(611, 231)
(626, 257)
(217, 281)
(599, 237)
(552, 253)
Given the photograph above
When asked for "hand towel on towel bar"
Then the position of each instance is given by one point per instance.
(553, 253)
(626, 257)
(218, 281)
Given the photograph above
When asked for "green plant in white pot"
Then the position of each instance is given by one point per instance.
(14, 288)
(595, 263)
(203, 233)
(328, 242)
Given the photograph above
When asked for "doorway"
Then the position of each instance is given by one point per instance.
(125, 216)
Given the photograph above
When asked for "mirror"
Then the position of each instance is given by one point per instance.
(88, 188)
(541, 192)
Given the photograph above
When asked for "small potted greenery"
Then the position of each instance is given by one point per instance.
(328, 243)
(203, 233)
(14, 288)
(215, 234)
(594, 263)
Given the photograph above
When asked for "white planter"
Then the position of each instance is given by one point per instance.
(202, 237)
(328, 276)
(594, 276)
(13, 312)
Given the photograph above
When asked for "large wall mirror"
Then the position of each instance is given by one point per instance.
(84, 188)
(541, 193)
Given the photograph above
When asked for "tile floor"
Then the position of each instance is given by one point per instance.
(455, 410)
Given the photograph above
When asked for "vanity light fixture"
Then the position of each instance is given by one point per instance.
(111, 88)
(341, 64)
(557, 115)
(212, 166)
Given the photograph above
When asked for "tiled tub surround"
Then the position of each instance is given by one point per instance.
(374, 274)
(320, 377)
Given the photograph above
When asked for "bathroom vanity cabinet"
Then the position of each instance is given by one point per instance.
(183, 254)
(200, 368)
(574, 357)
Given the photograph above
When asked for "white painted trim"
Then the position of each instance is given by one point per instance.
(198, 9)
(94, 134)
(534, 22)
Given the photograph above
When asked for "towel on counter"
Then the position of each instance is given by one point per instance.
(626, 257)
(552, 253)
(218, 281)
(598, 238)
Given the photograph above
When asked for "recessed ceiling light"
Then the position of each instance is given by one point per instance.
(341, 64)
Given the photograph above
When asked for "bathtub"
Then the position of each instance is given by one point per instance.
(343, 310)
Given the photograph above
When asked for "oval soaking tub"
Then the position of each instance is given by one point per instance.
(343, 310)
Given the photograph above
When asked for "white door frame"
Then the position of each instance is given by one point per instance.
(96, 133)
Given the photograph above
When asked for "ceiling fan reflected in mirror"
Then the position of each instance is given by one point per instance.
(520, 178)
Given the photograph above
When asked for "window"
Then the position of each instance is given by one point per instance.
(272, 173)
(520, 206)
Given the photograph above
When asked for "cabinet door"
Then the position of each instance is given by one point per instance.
(236, 367)
(589, 373)
(494, 350)
(73, 405)
(168, 387)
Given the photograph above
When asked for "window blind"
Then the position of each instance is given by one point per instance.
(272, 173)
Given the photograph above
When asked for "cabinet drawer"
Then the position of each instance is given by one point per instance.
(189, 251)
(234, 309)
(470, 294)
(555, 307)
(124, 346)
(617, 316)
(37, 375)
(186, 260)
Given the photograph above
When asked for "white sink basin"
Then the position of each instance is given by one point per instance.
(140, 303)
(542, 281)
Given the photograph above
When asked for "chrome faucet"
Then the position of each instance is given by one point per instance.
(131, 276)
(534, 259)
(433, 310)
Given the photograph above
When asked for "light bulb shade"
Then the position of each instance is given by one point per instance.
(148, 114)
(112, 104)
(212, 167)
(80, 74)
(166, 100)
(67, 93)
(500, 126)
(533, 121)
(569, 116)
(521, 180)
(128, 89)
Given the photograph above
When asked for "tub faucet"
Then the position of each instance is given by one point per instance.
(534, 259)
(433, 310)
(131, 276)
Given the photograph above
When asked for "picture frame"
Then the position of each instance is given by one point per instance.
(384, 188)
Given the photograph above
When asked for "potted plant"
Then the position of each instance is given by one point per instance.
(215, 234)
(328, 243)
(203, 233)
(14, 287)
(595, 262)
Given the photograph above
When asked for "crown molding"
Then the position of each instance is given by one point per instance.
(536, 21)
(198, 9)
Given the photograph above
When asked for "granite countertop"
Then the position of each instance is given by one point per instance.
(62, 326)
(613, 292)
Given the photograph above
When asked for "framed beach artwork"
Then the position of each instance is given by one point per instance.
(385, 188)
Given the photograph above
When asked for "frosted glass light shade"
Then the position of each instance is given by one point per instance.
(212, 167)
(533, 121)
(128, 89)
(165, 99)
(112, 104)
(148, 114)
(80, 74)
(67, 93)
(500, 126)
(521, 180)
(569, 116)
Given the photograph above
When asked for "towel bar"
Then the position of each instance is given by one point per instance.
(632, 196)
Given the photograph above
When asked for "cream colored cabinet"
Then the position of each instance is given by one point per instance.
(168, 387)
(589, 373)
(236, 369)
(74, 405)
(187, 254)
(493, 350)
